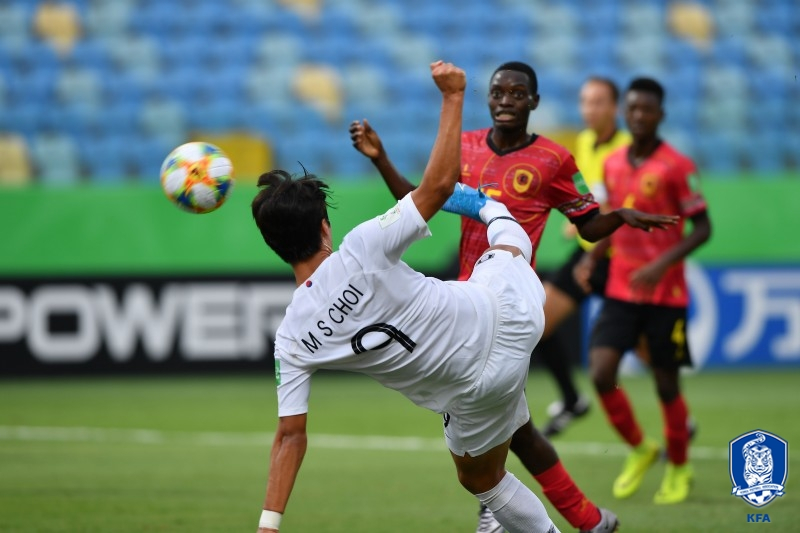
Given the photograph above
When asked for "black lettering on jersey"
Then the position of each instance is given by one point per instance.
(353, 287)
(392, 332)
(326, 330)
(446, 419)
(313, 345)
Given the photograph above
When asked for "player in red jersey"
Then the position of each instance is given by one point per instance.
(531, 175)
(646, 292)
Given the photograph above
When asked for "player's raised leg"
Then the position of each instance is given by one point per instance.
(535, 451)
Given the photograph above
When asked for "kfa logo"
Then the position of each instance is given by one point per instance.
(485, 258)
(759, 463)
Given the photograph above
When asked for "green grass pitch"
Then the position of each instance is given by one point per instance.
(175, 454)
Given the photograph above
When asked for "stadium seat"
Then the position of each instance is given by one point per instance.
(36, 87)
(277, 48)
(771, 51)
(644, 53)
(764, 152)
(643, 18)
(147, 154)
(411, 51)
(729, 52)
(90, 54)
(554, 19)
(79, 85)
(720, 152)
(135, 54)
(56, 159)
(163, 117)
(725, 81)
(14, 22)
(734, 17)
(269, 84)
(107, 158)
(107, 19)
(723, 113)
(363, 85)
(553, 50)
(217, 116)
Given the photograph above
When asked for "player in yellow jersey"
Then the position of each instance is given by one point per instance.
(598, 106)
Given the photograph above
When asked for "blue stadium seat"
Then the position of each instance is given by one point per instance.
(106, 19)
(269, 85)
(158, 20)
(217, 116)
(729, 51)
(726, 81)
(14, 22)
(135, 53)
(147, 154)
(90, 54)
(600, 18)
(764, 152)
(56, 159)
(36, 87)
(79, 85)
(771, 51)
(364, 85)
(261, 120)
(719, 152)
(735, 17)
(25, 117)
(555, 19)
(644, 53)
(723, 113)
(556, 50)
(107, 158)
(122, 87)
(33, 56)
(70, 120)
(279, 47)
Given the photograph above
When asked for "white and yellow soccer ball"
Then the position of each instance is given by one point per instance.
(197, 177)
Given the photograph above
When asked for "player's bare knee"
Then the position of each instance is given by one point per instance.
(478, 482)
(603, 378)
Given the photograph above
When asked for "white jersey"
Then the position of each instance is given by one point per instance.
(366, 311)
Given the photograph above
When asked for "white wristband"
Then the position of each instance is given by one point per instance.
(270, 520)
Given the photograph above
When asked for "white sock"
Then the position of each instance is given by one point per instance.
(503, 230)
(517, 508)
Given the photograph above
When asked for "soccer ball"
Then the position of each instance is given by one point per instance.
(197, 177)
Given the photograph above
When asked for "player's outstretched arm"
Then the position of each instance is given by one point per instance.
(288, 450)
(603, 225)
(366, 140)
(444, 164)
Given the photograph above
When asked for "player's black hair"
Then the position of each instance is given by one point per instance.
(608, 83)
(289, 211)
(519, 66)
(648, 85)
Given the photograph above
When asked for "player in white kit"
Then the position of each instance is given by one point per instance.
(458, 348)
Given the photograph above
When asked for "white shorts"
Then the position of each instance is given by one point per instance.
(495, 407)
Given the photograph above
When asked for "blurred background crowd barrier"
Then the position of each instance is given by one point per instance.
(97, 269)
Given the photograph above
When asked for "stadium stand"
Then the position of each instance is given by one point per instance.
(134, 74)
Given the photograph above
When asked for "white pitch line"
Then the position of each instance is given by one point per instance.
(339, 442)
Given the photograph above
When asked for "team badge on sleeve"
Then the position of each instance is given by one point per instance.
(759, 463)
(389, 217)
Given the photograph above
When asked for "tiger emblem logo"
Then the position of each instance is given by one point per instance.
(756, 459)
